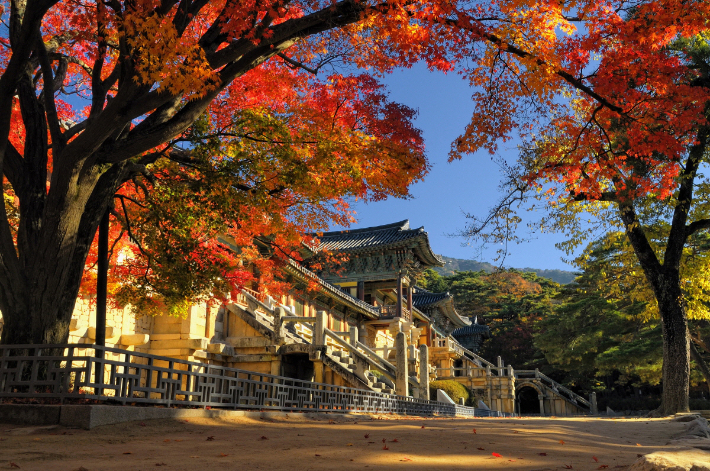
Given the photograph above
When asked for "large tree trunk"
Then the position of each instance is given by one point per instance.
(38, 304)
(676, 349)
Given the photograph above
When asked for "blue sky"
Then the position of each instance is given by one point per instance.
(450, 189)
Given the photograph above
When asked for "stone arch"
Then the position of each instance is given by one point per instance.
(529, 398)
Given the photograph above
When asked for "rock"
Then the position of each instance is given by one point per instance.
(679, 460)
(686, 417)
(698, 428)
(692, 442)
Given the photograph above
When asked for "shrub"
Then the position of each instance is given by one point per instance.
(454, 389)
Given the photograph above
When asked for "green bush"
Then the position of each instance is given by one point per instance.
(454, 389)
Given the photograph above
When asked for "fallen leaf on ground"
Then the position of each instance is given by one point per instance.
(210, 438)
(384, 440)
(395, 440)
(562, 442)
(603, 466)
(497, 455)
(157, 464)
(223, 455)
(480, 448)
(166, 440)
(263, 438)
(367, 435)
(638, 444)
(317, 454)
(350, 444)
(142, 424)
(127, 453)
(406, 459)
(176, 440)
(595, 459)
(422, 426)
(568, 466)
(474, 431)
(14, 465)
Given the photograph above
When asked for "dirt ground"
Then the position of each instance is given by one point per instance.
(363, 442)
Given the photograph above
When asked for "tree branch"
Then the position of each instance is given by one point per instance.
(297, 65)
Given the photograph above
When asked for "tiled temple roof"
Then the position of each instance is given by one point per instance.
(472, 336)
(390, 235)
(473, 329)
(425, 300)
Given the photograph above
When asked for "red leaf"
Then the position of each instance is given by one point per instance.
(481, 448)
(263, 437)
(384, 440)
(568, 466)
(496, 455)
(562, 442)
(367, 435)
(603, 466)
(542, 454)
(406, 459)
(385, 447)
(317, 454)
(422, 426)
(595, 459)
(395, 440)
(14, 465)
(474, 431)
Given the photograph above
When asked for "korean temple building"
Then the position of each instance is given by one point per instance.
(343, 333)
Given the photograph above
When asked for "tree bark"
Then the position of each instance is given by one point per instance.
(676, 349)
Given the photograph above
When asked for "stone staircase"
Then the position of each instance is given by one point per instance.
(354, 366)
(374, 382)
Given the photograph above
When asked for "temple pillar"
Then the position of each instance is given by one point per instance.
(424, 372)
(361, 290)
(410, 301)
(399, 295)
(318, 376)
(402, 378)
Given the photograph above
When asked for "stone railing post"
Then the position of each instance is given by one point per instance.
(402, 377)
(353, 336)
(593, 403)
(279, 334)
(319, 331)
(424, 371)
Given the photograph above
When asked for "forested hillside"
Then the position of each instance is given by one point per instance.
(600, 333)
(453, 265)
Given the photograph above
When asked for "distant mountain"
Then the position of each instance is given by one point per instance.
(452, 265)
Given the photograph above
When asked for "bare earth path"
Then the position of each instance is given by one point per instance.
(345, 443)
